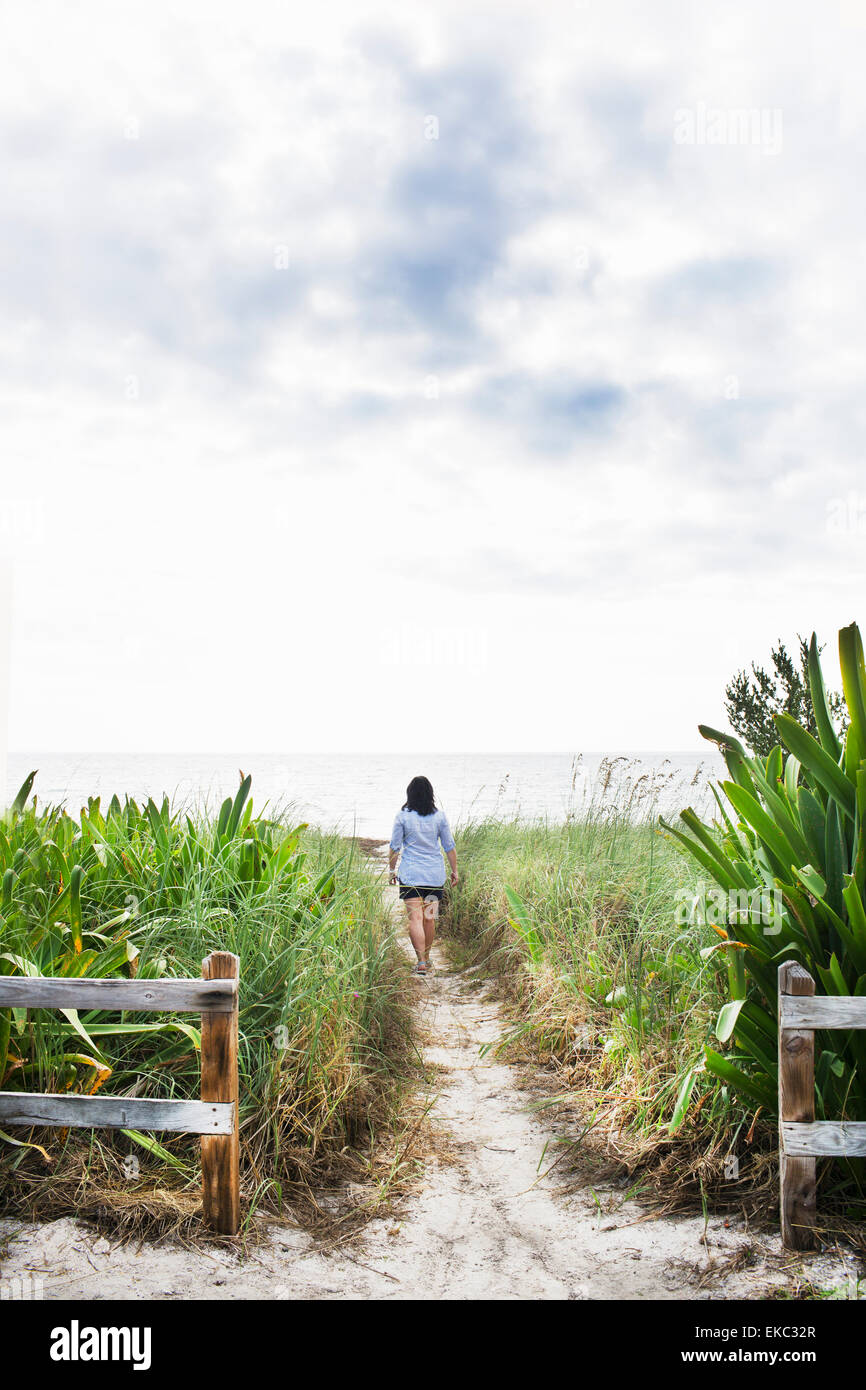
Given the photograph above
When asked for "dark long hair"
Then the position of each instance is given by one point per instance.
(419, 797)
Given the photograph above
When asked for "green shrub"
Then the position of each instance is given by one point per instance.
(787, 860)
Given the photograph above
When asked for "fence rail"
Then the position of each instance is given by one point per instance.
(214, 1117)
(828, 1011)
(179, 996)
(802, 1138)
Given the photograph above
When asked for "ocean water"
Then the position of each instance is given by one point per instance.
(360, 793)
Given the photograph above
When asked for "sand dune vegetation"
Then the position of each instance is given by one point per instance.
(640, 957)
(147, 891)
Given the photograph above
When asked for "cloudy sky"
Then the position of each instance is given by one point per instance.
(446, 377)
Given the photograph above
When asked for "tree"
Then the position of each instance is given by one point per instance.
(752, 700)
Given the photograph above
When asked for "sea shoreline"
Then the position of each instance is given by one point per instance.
(359, 794)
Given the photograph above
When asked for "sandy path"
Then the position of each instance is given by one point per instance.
(487, 1226)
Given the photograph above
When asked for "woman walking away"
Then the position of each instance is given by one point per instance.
(419, 832)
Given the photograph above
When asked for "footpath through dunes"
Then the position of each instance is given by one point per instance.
(486, 1220)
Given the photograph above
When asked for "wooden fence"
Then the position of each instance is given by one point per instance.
(214, 1117)
(802, 1139)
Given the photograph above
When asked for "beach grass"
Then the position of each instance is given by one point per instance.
(326, 1044)
(581, 924)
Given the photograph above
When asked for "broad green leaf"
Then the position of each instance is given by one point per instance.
(726, 872)
(75, 907)
(71, 1015)
(826, 733)
(727, 1019)
(110, 1030)
(812, 880)
(155, 1148)
(738, 763)
(854, 680)
(521, 921)
(816, 761)
(761, 821)
(813, 821)
(757, 1088)
(792, 778)
(23, 792)
(683, 1097)
(724, 741)
(242, 794)
(774, 765)
(686, 845)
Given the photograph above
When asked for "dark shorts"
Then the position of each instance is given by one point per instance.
(410, 890)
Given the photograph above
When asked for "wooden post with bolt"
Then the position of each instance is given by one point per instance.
(214, 1117)
(796, 1104)
(219, 1082)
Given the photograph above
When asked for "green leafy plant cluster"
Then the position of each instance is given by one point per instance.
(142, 889)
(788, 852)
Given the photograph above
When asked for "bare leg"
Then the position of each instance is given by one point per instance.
(414, 912)
(431, 916)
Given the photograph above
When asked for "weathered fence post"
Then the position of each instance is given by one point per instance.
(219, 1082)
(797, 1103)
(215, 1116)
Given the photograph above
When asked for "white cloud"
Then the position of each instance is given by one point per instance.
(285, 381)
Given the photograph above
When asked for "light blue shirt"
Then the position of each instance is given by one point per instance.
(419, 837)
